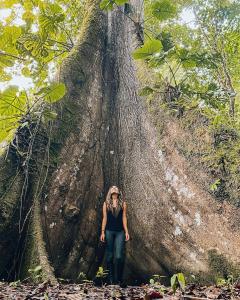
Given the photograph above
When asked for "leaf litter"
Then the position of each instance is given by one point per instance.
(62, 291)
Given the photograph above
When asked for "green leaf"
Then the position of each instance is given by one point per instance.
(178, 280)
(181, 280)
(189, 63)
(149, 48)
(7, 130)
(163, 10)
(10, 102)
(121, 2)
(174, 283)
(26, 72)
(28, 16)
(214, 185)
(147, 90)
(107, 4)
(31, 43)
(53, 92)
(6, 61)
(151, 281)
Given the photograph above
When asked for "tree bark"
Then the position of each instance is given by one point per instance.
(105, 135)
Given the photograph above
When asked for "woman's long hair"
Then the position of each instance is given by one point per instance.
(109, 202)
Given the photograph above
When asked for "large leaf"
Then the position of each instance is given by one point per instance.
(7, 130)
(147, 90)
(149, 48)
(12, 108)
(8, 38)
(50, 18)
(107, 4)
(31, 43)
(174, 282)
(181, 280)
(164, 9)
(6, 61)
(12, 103)
(53, 92)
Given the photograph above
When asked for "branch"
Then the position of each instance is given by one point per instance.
(11, 55)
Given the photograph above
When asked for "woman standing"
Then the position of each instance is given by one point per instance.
(114, 229)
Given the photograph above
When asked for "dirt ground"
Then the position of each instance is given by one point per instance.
(45, 291)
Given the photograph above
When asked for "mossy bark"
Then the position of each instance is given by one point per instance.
(10, 190)
(35, 253)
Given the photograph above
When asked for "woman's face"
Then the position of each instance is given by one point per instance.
(114, 192)
(114, 189)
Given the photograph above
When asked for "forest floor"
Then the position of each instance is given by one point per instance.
(45, 291)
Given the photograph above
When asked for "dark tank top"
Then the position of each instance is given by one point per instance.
(114, 223)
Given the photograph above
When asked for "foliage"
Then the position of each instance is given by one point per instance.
(101, 272)
(35, 37)
(101, 275)
(36, 273)
(178, 280)
(156, 282)
(15, 283)
(82, 277)
(196, 69)
(149, 48)
(225, 282)
(19, 109)
(164, 9)
(214, 186)
(13, 105)
(201, 61)
(228, 282)
(52, 93)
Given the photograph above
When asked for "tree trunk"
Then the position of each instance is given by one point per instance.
(105, 135)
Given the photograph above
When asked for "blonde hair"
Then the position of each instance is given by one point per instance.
(109, 201)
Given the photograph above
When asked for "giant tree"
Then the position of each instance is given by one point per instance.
(60, 164)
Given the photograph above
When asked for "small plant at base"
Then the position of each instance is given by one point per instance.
(229, 282)
(214, 186)
(178, 280)
(15, 283)
(36, 273)
(82, 276)
(101, 274)
(156, 282)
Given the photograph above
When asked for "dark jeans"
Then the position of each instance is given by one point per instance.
(117, 239)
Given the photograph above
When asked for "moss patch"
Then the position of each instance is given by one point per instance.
(220, 266)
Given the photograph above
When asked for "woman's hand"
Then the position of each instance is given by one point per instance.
(127, 236)
(102, 237)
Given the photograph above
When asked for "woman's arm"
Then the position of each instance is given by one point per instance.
(125, 216)
(104, 220)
